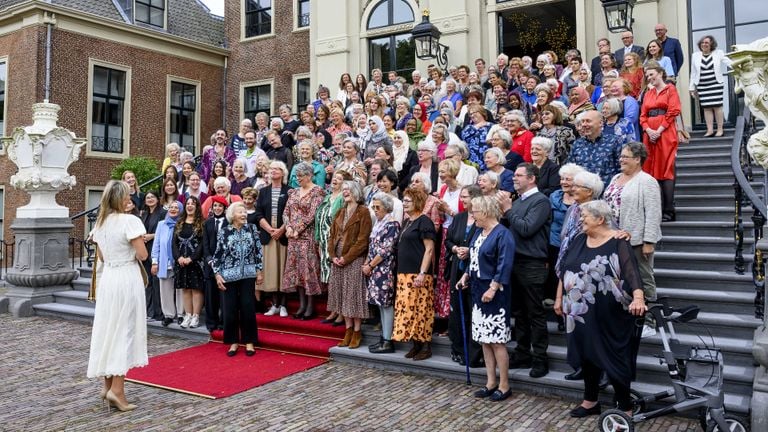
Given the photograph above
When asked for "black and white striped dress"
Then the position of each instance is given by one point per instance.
(710, 91)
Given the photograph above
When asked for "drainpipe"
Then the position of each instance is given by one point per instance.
(224, 95)
(49, 21)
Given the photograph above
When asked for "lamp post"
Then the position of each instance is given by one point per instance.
(426, 37)
(618, 14)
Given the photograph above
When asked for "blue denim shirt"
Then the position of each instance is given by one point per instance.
(238, 253)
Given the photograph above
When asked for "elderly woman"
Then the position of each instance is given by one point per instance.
(414, 309)
(494, 160)
(270, 206)
(427, 166)
(303, 262)
(162, 266)
(467, 173)
(548, 180)
(350, 149)
(635, 200)
(240, 179)
(601, 296)
(222, 188)
(489, 269)
(379, 267)
(629, 107)
(402, 112)
(456, 242)
(587, 186)
(347, 248)
(220, 150)
(237, 264)
(307, 155)
(580, 102)
(277, 150)
(377, 138)
(440, 137)
(500, 138)
(561, 136)
(615, 125)
(475, 133)
(488, 182)
(326, 213)
(521, 137)
(172, 154)
(337, 123)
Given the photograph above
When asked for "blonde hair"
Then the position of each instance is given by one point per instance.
(112, 200)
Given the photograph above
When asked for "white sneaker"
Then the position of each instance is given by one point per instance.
(283, 311)
(273, 310)
(648, 331)
(187, 320)
(195, 321)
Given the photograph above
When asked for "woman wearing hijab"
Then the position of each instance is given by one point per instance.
(377, 138)
(404, 158)
(419, 112)
(579, 102)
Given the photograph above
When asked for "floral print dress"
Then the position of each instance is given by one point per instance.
(381, 284)
(302, 262)
(475, 139)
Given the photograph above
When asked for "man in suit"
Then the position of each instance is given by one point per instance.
(211, 228)
(603, 47)
(528, 217)
(671, 47)
(628, 40)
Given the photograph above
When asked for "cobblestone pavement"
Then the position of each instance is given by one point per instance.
(43, 387)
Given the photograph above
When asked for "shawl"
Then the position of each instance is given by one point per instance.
(583, 95)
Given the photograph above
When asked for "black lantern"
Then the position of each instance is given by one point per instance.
(618, 15)
(426, 38)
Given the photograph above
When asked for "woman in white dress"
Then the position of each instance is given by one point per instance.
(119, 337)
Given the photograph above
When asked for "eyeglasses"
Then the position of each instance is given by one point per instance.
(627, 157)
(580, 186)
(376, 207)
(407, 200)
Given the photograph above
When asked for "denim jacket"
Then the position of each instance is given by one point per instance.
(238, 253)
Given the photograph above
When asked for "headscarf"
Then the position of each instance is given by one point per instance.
(583, 95)
(451, 118)
(169, 221)
(400, 154)
(381, 133)
(423, 117)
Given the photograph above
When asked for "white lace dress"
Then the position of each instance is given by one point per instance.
(119, 337)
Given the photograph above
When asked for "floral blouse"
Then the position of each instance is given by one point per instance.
(238, 253)
(600, 156)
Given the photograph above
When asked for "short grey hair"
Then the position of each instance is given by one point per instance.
(545, 58)
(561, 106)
(303, 131)
(503, 134)
(613, 105)
(500, 158)
(598, 209)
(427, 145)
(281, 166)
(460, 148)
(543, 87)
(590, 181)
(518, 116)
(570, 170)
(354, 142)
(231, 210)
(637, 149)
(354, 188)
(487, 205)
(185, 156)
(492, 177)
(302, 169)
(581, 115)
(543, 142)
(222, 181)
(425, 180)
(171, 147)
(386, 201)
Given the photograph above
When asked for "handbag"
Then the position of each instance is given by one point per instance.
(682, 135)
(96, 271)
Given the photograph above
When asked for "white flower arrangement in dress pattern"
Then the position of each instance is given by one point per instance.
(581, 287)
(490, 328)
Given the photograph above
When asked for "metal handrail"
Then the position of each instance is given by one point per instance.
(745, 195)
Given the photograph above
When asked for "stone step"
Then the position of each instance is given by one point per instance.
(82, 284)
(718, 200)
(672, 243)
(703, 228)
(715, 154)
(709, 213)
(698, 280)
(696, 261)
(714, 176)
(701, 166)
(73, 297)
(712, 188)
(711, 301)
(708, 147)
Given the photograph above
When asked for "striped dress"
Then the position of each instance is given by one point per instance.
(710, 91)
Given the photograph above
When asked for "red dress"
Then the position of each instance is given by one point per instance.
(636, 80)
(661, 154)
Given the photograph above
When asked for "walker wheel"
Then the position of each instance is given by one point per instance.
(615, 420)
(735, 424)
(638, 404)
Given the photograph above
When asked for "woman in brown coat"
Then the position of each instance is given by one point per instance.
(347, 248)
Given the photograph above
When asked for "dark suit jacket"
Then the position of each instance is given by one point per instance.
(411, 160)
(549, 178)
(595, 68)
(455, 236)
(407, 179)
(264, 211)
(619, 54)
(210, 235)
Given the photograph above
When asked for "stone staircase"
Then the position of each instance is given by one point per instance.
(694, 264)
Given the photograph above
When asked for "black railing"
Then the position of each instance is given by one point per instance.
(745, 195)
(7, 256)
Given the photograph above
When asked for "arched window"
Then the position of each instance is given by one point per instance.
(390, 12)
(391, 52)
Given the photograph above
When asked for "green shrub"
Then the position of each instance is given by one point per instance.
(145, 169)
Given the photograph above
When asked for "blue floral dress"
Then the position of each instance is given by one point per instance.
(475, 139)
(597, 290)
(381, 284)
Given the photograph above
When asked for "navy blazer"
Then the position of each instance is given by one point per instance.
(619, 54)
(496, 256)
(264, 211)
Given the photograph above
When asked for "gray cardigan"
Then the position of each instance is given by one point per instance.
(640, 213)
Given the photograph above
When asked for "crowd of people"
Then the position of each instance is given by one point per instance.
(507, 191)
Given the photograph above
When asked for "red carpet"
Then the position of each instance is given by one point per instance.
(206, 371)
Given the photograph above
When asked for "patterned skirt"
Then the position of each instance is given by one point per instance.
(347, 292)
(490, 321)
(442, 287)
(414, 309)
(190, 276)
(303, 266)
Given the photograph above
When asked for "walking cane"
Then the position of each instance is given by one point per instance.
(464, 334)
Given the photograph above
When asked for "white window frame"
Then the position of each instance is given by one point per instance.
(271, 33)
(165, 15)
(197, 84)
(4, 59)
(296, 27)
(246, 84)
(126, 114)
(295, 89)
(88, 190)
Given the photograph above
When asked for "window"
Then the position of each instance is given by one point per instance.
(183, 106)
(127, 7)
(108, 110)
(150, 12)
(257, 98)
(393, 52)
(258, 17)
(390, 12)
(303, 14)
(302, 94)
(3, 75)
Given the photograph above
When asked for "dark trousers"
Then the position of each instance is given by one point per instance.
(152, 293)
(529, 279)
(212, 304)
(592, 386)
(240, 312)
(474, 349)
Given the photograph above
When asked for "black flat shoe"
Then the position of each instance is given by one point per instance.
(250, 353)
(338, 323)
(167, 321)
(498, 396)
(308, 317)
(581, 412)
(485, 392)
(232, 353)
(575, 375)
(328, 321)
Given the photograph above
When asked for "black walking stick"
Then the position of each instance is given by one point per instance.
(464, 333)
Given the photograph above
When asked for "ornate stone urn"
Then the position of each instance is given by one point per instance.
(41, 264)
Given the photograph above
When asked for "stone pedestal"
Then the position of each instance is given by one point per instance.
(760, 353)
(41, 263)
